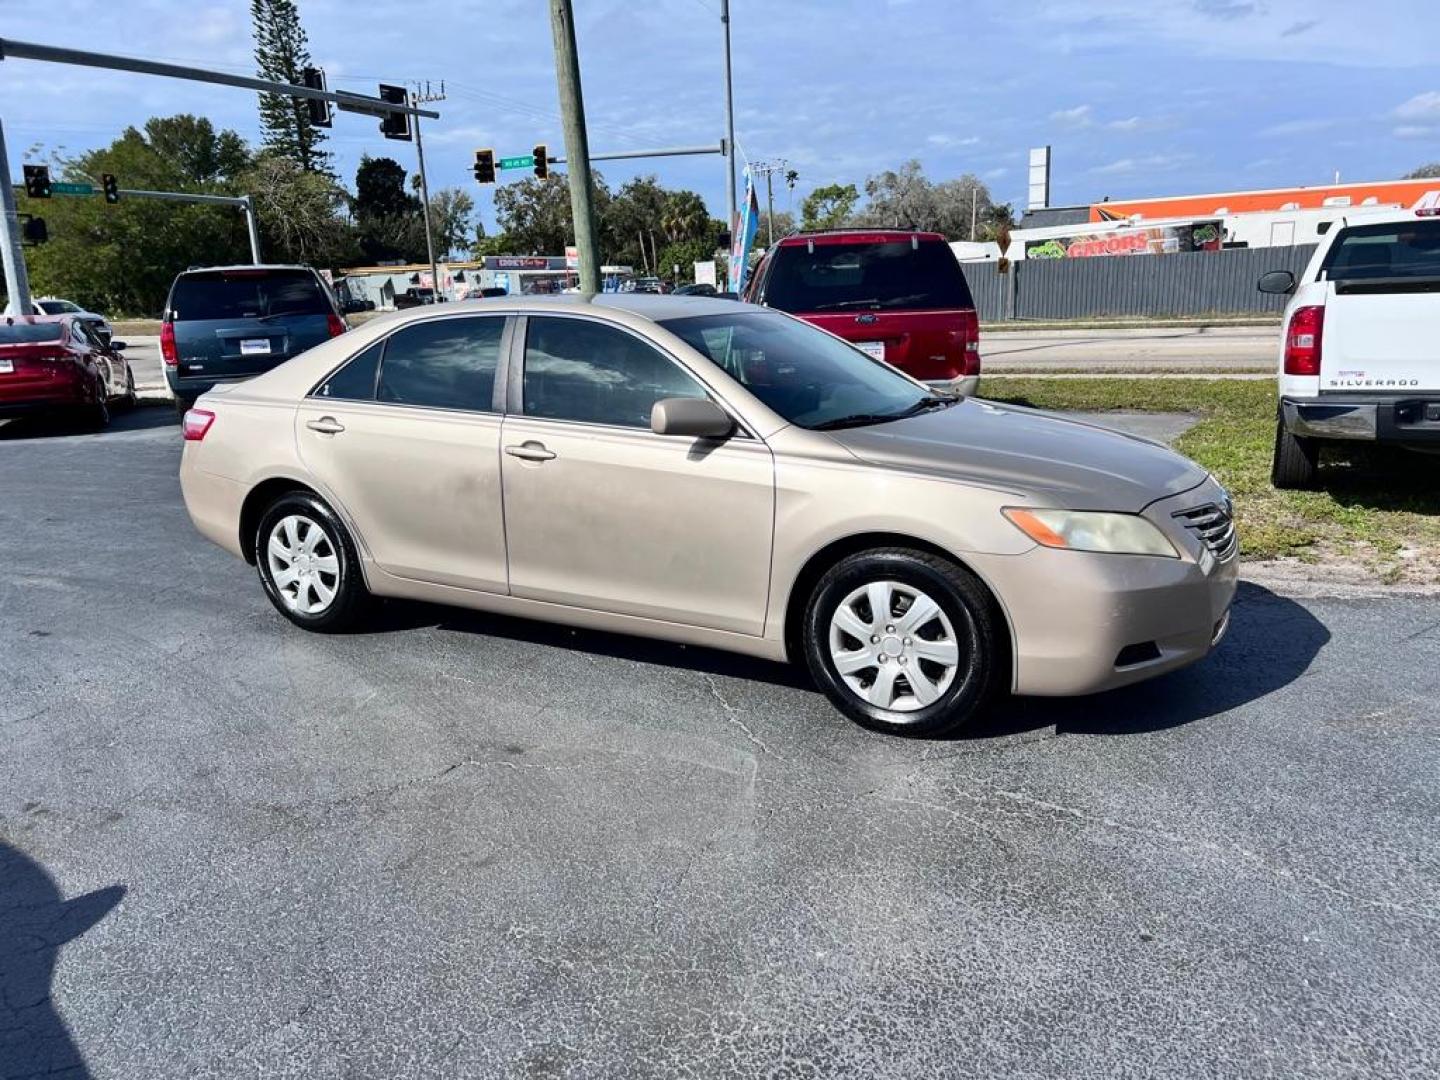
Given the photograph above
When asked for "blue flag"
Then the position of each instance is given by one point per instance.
(744, 238)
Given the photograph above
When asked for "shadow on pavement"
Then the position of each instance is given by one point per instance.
(1380, 478)
(56, 425)
(1271, 642)
(34, 923)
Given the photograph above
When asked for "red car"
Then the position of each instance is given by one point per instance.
(898, 295)
(57, 363)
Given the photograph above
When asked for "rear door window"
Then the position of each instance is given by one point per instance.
(356, 380)
(1406, 250)
(247, 294)
(443, 364)
(863, 276)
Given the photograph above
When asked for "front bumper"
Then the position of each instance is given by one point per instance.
(1411, 419)
(1086, 622)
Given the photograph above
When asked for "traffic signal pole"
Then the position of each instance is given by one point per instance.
(17, 282)
(577, 143)
(416, 98)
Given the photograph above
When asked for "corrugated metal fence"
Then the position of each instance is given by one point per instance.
(1192, 283)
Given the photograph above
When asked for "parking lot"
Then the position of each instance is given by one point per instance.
(462, 845)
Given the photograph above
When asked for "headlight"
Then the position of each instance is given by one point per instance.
(1090, 530)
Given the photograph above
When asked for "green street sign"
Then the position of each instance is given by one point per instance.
(524, 161)
(71, 189)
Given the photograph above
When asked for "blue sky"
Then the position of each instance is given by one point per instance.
(1137, 97)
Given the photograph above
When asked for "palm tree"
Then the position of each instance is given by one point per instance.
(684, 217)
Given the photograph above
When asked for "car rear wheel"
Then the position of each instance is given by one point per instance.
(1296, 464)
(308, 565)
(903, 641)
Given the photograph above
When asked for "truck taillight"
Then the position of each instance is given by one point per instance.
(196, 424)
(334, 324)
(167, 344)
(1302, 341)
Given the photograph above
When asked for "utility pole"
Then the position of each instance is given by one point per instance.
(17, 282)
(419, 98)
(577, 143)
(974, 197)
(730, 202)
(769, 169)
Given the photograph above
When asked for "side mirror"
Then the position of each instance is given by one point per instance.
(697, 418)
(119, 346)
(1279, 282)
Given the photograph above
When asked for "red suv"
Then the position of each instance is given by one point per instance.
(896, 294)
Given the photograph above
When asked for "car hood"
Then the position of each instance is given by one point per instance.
(1062, 461)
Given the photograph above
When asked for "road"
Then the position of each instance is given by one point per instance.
(1167, 349)
(458, 845)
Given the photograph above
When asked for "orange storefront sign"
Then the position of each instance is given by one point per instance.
(1403, 193)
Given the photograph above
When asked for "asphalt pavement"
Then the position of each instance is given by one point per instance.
(458, 845)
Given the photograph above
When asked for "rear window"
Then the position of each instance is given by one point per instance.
(1405, 250)
(866, 276)
(29, 333)
(247, 294)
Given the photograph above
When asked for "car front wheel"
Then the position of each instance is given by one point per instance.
(308, 565)
(903, 641)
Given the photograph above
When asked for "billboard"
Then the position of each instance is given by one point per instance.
(1160, 240)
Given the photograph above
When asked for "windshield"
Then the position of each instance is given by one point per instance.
(241, 294)
(1406, 249)
(866, 276)
(807, 376)
(57, 307)
(29, 333)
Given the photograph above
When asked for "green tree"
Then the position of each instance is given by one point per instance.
(302, 214)
(1424, 172)
(282, 53)
(122, 258)
(387, 217)
(828, 207)
(535, 214)
(684, 216)
(451, 210)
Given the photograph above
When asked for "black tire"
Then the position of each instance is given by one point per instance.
(131, 399)
(1296, 465)
(351, 600)
(183, 405)
(964, 601)
(96, 416)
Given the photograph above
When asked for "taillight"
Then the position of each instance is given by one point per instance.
(1302, 341)
(196, 423)
(334, 324)
(167, 344)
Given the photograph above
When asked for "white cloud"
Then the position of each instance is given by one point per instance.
(1078, 117)
(1130, 123)
(951, 140)
(1148, 164)
(1415, 131)
(1301, 127)
(1424, 108)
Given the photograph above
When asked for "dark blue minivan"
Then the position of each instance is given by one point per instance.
(224, 323)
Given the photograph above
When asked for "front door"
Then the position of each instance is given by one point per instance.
(406, 437)
(602, 513)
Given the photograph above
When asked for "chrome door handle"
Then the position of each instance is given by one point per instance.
(326, 425)
(530, 451)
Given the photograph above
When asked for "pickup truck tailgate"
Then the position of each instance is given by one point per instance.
(1384, 341)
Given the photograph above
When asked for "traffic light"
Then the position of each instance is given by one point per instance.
(37, 181)
(395, 125)
(111, 187)
(542, 162)
(485, 166)
(34, 231)
(319, 110)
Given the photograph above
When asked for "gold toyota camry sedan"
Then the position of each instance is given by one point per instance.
(709, 472)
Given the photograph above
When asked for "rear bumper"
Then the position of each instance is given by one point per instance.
(964, 386)
(1409, 419)
(190, 389)
(213, 503)
(44, 397)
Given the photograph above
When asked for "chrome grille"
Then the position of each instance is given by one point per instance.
(1214, 524)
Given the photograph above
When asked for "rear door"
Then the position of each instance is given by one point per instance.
(902, 301)
(406, 438)
(234, 323)
(1382, 309)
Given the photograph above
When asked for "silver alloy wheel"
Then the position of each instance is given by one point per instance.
(893, 646)
(303, 565)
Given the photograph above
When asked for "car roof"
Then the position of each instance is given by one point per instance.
(850, 236)
(67, 317)
(244, 266)
(653, 307)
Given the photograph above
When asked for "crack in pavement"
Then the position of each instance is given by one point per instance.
(732, 714)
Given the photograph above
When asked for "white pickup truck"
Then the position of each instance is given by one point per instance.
(1360, 352)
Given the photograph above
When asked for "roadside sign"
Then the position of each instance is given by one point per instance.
(524, 161)
(58, 188)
